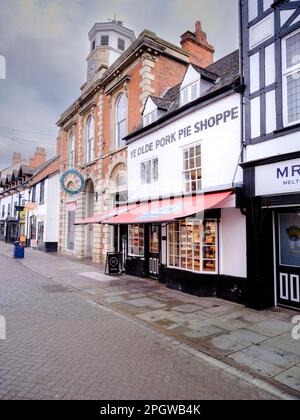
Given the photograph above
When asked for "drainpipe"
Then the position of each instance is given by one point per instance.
(243, 211)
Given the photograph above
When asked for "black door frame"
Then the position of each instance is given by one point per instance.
(149, 255)
(278, 269)
(121, 242)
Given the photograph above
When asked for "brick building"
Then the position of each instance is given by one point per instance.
(122, 72)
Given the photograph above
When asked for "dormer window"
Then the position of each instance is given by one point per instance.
(149, 118)
(195, 83)
(154, 109)
(190, 93)
(104, 40)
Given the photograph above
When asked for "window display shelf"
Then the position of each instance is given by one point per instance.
(195, 246)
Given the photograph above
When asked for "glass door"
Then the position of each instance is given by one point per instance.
(154, 250)
(288, 260)
(40, 234)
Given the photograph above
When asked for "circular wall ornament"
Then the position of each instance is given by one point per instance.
(72, 182)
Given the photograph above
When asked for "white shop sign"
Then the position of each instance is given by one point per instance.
(216, 127)
(278, 178)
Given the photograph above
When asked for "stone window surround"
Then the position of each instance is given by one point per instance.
(90, 111)
(113, 99)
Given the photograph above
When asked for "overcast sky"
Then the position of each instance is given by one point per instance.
(45, 44)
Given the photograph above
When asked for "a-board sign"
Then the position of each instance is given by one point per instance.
(113, 263)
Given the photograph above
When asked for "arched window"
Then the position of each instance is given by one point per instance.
(90, 134)
(121, 181)
(121, 120)
(72, 148)
(120, 189)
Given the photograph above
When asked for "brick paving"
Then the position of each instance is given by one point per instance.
(62, 346)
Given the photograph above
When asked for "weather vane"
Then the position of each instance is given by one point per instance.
(120, 22)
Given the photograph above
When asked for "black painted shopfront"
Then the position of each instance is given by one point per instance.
(143, 250)
(184, 255)
(273, 237)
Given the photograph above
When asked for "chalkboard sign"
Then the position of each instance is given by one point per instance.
(113, 263)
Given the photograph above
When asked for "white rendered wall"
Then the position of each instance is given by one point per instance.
(277, 146)
(52, 213)
(221, 148)
(233, 243)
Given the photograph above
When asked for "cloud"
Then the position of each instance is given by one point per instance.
(45, 43)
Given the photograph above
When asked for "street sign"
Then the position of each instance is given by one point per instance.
(113, 263)
(19, 208)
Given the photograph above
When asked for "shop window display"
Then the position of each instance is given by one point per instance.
(192, 245)
(136, 240)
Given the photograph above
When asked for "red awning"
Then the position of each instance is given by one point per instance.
(98, 218)
(168, 210)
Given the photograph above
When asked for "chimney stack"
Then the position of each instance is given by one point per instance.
(39, 157)
(17, 157)
(201, 52)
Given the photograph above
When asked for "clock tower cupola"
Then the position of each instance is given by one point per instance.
(108, 40)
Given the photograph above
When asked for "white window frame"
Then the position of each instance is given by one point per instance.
(104, 36)
(286, 72)
(122, 40)
(180, 268)
(188, 89)
(131, 254)
(152, 179)
(121, 120)
(90, 138)
(149, 118)
(184, 171)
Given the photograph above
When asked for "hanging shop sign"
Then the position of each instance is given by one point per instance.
(72, 182)
(31, 206)
(19, 208)
(23, 216)
(278, 178)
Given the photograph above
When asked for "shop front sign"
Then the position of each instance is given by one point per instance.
(278, 178)
(184, 132)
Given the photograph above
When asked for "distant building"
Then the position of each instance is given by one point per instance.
(13, 184)
(32, 185)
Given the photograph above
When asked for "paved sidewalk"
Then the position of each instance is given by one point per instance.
(259, 343)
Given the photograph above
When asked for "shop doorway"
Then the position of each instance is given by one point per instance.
(154, 251)
(120, 242)
(288, 259)
(89, 212)
(11, 230)
(40, 235)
